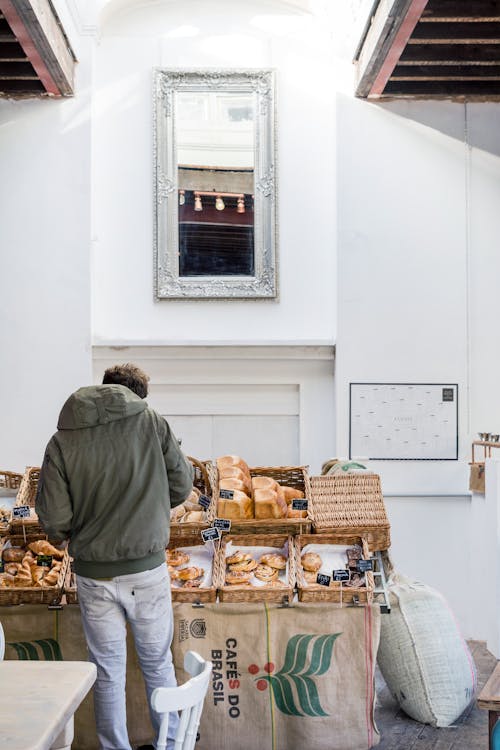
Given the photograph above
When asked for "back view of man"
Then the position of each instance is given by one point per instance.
(109, 477)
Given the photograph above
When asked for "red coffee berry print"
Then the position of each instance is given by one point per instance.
(253, 669)
(261, 685)
(269, 667)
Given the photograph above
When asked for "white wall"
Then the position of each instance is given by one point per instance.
(45, 267)
(226, 34)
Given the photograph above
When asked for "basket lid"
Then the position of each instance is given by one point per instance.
(348, 500)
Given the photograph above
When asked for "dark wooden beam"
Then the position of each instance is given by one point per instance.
(443, 88)
(456, 33)
(392, 26)
(451, 54)
(11, 88)
(39, 33)
(10, 51)
(457, 10)
(16, 69)
(445, 72)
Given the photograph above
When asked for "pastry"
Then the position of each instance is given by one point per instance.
(43, 547)
(50, 578)
(236, 577)
(193, 583)
(265, 573)
(356, 581)
(274, 560)
(174, 573)
(177, 557)
(13, 554)
(12, 568)
(276, 584)
(237, 557)
(311, 561)
(189, 574)
(246, 565)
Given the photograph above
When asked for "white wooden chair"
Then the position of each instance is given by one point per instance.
(187, 698)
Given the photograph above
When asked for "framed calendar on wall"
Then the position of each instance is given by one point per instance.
(403, 421)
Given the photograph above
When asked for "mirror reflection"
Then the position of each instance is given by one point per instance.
(214, 133)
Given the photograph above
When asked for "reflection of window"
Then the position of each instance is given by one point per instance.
(239, 114)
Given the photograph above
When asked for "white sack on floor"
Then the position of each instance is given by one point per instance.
(424, 660)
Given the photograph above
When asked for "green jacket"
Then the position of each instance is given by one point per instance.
(109, 476)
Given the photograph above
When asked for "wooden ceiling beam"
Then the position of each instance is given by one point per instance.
(40, 35)
(456, 54)
(457, 10)
(445, 72)
(442, 88)
(456, 33)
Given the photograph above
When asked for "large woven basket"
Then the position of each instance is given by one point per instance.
(256, 593)
(50, 595)
(70, 590)
(205, 479)
(336, 592)
(10, 480)
(350, 504)
(291, 476)
(198, 595)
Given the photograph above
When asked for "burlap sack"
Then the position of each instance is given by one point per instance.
(283, 678)
(477, 479)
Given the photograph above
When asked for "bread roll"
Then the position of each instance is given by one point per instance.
(239, 507)
(268, 505)
(292, 494)
(192, 516)
(291, 513)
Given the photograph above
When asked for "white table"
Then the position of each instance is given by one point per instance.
(39, 699)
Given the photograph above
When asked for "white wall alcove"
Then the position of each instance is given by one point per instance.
(273, 405)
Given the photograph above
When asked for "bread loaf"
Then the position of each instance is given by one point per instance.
(241, 478)
(268, 504)
(296, 513)
(264, 483)
(234, 484)
(239, 507)
(291, 494)
(227, 462)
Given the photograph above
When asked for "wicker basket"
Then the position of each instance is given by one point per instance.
(10, 480)
(350, 504)
(26, 496)
(195, 595)
(205, 481)
(50, 595)
(335, 592)
(291, 476)
(70, 591)
(256, 593)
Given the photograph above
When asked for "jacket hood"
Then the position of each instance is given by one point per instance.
(99, 404)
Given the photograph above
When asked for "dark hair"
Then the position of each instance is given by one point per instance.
(130, 375)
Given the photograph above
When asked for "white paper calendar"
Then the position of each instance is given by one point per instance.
(404, 421)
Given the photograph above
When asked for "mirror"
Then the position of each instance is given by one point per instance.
(215, 191)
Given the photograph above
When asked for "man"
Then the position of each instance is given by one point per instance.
(109, 477)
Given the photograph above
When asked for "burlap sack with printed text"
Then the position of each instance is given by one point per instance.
(283, 677)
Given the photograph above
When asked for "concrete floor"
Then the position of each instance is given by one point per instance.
(399, 732)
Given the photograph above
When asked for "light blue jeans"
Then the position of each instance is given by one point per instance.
(142, 599)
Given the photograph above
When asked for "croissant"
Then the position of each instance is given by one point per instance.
(23, 578)
(12, 568)
(42, 547)
(38, 573)
(51, 578)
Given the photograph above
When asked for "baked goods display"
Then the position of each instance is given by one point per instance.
(256, 566)
(190, 511)
(246, 494)
(191, 571)
(332, 557)
(35, 565)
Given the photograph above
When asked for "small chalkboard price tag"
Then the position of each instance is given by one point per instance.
(323, 580)
(341, 575)
(44, 561)
(299, 504)
(226, 494)
(364, 565)
(21, 511)
(224, 524)
(204, 501)
(210, 535)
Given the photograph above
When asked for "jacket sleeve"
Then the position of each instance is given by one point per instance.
(180, 471)
(53, 502)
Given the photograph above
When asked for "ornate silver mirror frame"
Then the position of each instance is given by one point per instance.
(262, 283)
